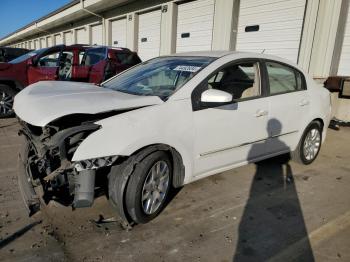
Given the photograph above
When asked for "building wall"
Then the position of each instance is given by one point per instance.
(320, 44)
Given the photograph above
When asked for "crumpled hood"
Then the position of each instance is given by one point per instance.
(43, 102)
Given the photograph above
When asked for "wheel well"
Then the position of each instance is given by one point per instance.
(11, 84)
(320, 121)
(178, 166)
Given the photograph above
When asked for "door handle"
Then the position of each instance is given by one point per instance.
(304, 102)
(260, 113)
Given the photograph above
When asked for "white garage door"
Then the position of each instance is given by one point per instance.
(68, 38)
(96, 35)
(58, 40)
(82, 36)
(272, 26)
(42, 42)
(49, 41)
(36, 44)
(149, 35)
(119, 33)
(195, 26)
(344, 62)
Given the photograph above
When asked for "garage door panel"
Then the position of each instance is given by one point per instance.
(149, 35)
(68, 38)
(344, 61)
(280, 27)
(96, 35)
(195, 26)
(292, 14)
(58, 40)
(277, 7)
(263, 37)
(119, 33)
(261, 3)
(49, 41)
(82, 36)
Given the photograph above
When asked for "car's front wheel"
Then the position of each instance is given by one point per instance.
(7, 95)
(309, 145)
(148, 187)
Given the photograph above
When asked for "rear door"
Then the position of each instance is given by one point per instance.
(46, 66)
(288, 106)
(80, 72)
(95, 59)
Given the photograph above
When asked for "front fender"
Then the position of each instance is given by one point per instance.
(127, 133)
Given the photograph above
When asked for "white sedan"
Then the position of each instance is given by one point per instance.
(163, 124)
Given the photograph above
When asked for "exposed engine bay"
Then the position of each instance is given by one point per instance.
(46, 158)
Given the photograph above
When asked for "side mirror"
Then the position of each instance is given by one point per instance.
(215, 96)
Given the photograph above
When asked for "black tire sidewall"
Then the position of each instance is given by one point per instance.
(8, 90)
(135, 185)
(301, 146)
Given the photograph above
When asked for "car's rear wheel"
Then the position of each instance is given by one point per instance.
(148, 187)
(7, 95)
(309, 145)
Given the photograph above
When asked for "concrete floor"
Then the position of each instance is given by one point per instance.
(273, 210)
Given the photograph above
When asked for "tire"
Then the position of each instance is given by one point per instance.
(7, 95)
(141, 182)
(305, 153)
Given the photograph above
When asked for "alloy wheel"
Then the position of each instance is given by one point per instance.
(312, 144)
(6, 103)
(155, 187)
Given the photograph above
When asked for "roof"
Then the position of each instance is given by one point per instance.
(238, 55)
(218, 53)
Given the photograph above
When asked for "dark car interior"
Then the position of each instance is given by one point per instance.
(7, 54)
(241, 80)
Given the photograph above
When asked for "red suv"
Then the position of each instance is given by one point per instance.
(66, 63)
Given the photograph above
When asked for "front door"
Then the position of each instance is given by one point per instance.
(234, 133)
(45, 67)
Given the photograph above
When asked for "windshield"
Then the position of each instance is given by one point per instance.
(26, 56)
(160, 76)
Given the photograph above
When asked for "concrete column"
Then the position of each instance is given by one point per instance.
(168, 29)
(132, 25)
(74, 39)
(108, 32)
(104, 31)
(324, 38)
(225, 24)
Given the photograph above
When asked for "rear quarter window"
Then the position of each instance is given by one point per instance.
(283, 79)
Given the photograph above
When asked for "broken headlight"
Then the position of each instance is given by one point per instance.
(95, 163)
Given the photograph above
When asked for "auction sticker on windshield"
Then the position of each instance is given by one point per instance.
(187, 68)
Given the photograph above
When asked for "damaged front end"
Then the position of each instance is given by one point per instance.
(46, 171)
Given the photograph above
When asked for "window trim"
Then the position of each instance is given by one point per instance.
(303, 79)
(263, 84)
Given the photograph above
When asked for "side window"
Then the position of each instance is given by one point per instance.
(240, 80)
(50, 60)
(93, 56)
(127, 58)
(283, 79)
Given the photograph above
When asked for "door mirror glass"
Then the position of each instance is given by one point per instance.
(216, 96)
